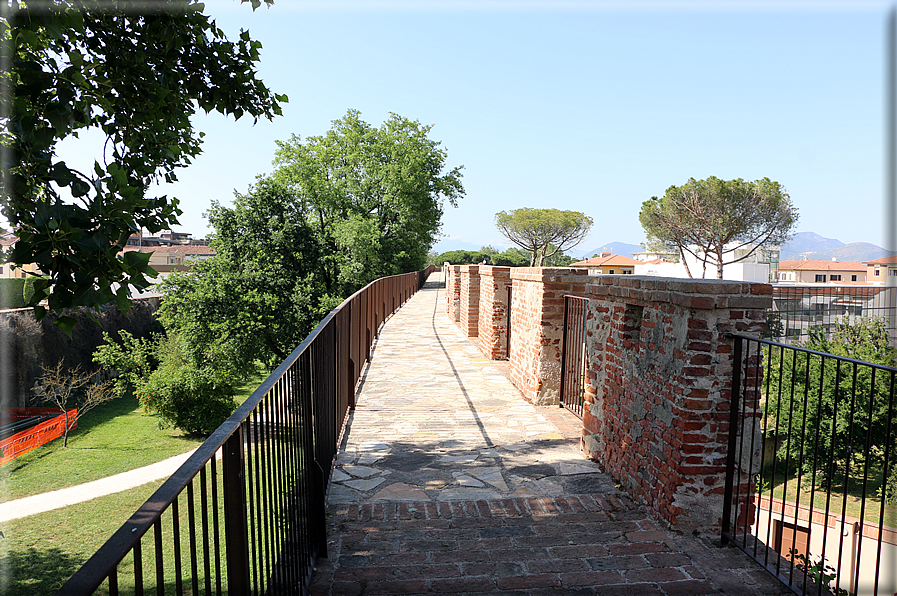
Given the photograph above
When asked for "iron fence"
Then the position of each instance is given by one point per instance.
(245, 513)
(573, 354)
(811, 480)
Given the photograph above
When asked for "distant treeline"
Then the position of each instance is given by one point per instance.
(512, 257)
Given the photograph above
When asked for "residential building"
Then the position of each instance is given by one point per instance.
(821, 272)
(882, 272)
(744, 263)
(608, 264)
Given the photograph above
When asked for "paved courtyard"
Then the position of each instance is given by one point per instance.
(448, 481)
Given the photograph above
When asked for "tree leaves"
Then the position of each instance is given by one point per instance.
(712, 218)
(543, 232)
(137, 74)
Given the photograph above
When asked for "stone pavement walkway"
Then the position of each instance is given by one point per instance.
(449, 482)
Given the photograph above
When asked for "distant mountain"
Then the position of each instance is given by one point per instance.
(447, 244)
(812, 246)
(615, 248)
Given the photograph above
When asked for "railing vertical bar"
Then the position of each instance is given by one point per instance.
(253, 499)
(884, 480)
(235, 533)
(176, 534)
(732, 441)
(160, 559)
(866, 458)
(215, 521)
(204, 510)
(138, 569)
(758, 363)
(831, 457)
(765, 426)
(847, 467)
(800, 465)
(191, 520)
(788, 460)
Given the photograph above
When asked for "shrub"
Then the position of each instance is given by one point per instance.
(12, 292)
(193, 400)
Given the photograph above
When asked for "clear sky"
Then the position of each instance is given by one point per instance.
(591, 106)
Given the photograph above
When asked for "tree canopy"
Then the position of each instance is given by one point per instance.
(711, 219)
(543, 232)
(374, 196)
(137, 72)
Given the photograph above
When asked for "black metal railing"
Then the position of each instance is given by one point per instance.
(573, 354)
(245, 513)
(811, 481)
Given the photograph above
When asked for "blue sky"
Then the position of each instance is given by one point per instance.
(590, 106)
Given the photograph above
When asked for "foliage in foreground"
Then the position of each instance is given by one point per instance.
(826, 412)
(136, 72)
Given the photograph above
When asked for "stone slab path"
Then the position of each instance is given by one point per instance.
(449, 482)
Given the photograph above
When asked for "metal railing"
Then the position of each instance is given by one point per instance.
(245, 513)
(811, 479)
(573, 354)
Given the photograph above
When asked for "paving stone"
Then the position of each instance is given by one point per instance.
(400, 492)
(364, 484)
(361, 471)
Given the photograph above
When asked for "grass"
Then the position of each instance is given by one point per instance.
(112, 438)
(40, 552)
(854, 501)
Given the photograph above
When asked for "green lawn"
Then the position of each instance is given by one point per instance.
(112, 438)
(41, 551)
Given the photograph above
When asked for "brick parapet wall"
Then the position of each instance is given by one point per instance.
(452, 291)
(469, 303)
(492, 320)
(658, 391)
(537, 319)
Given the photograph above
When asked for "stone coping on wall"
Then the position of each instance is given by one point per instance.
(702, 294)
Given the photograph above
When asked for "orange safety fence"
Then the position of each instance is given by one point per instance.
(39, 434)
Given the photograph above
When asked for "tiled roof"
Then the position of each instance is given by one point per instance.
(892, 260)
(821, 266)
(612, 260)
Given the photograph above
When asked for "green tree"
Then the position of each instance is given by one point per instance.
(543, 232)
(261, 294)
(823, 410)
(137, 72)
(711, 219)
(374, 196)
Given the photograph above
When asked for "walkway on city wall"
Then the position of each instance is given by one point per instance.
(448, 481)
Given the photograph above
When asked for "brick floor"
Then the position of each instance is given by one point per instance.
(580, 544)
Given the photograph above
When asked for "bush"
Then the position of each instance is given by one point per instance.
(190, 399)
(12, 292)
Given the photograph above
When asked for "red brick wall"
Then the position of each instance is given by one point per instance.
(452, 291)
(657, 402)
(492, 320)
(469, 304)
(537, 319)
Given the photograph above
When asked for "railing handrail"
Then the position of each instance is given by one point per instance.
(95, 570)
(769, 342)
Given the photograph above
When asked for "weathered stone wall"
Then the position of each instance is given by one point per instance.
(452, 291)
(492, 319)
(537, 320)
(26, 344)
(657, 402)
(469, 299)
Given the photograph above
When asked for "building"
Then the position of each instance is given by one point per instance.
(608, 264)
(743, 262)
(882, 272)
(821, 272)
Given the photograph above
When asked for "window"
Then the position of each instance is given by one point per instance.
(876, 273)
(892, 272)
(853, 278)
(611, 271)
(834, 277)
(820, 279)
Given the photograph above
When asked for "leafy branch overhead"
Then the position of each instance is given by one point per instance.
(543, 232)
(136, 72)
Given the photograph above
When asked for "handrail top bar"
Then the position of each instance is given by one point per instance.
(809, 351)
(88, 579)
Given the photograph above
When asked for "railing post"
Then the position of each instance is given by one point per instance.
(733, 437)
(235, 529)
